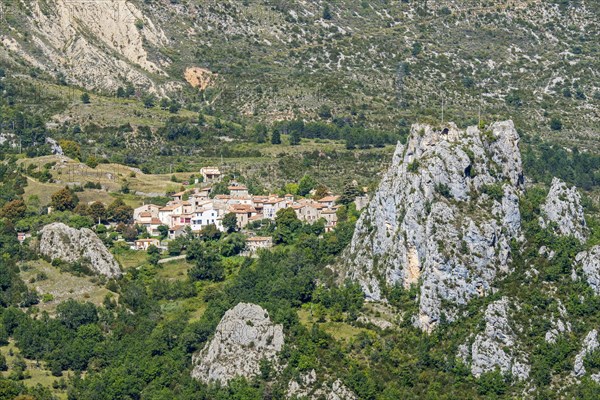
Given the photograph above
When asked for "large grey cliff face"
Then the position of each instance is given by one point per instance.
(564, 212)
(496, 346)
(58, 240)
(243, 338)
(431, 223)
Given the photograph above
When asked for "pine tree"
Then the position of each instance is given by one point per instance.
(276, 137)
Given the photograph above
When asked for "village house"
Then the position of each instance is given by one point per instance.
(238, 191)
(21, 236)
(177, 231)
(146, 208)
(200, 195)
(330, 217)
(243, 214)
(253, 244)
(210, 174)
(143, 244)
(204, 217)
(165, 213)
(329, 201)
(274, 204)
(177, 197)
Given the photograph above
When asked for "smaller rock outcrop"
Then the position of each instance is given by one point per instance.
(590, 263)
(590, 343)
(243, 338)
(560, 324)
(496, 346)
(58, 240)
(563, 208)
(305, 387)
(54, 146)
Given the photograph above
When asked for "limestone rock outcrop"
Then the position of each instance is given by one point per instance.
(245, 336)
(590, 343)
(564, 211)
(590, 264)
(496, 346)
(560, 324)
(58, 240)
(442, 218)
(305, 387)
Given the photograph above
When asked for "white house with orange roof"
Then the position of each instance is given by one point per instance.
(165, 213)
(204, 217)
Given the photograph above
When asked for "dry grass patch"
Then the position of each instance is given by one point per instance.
(59, 286)
(36, 373)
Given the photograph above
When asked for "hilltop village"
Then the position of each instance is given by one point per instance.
(195, 209)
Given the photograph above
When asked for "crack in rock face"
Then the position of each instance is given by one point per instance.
(243, 338)
(442, 218)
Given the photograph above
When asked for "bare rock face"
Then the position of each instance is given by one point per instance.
(496, 346)
(305, 387)
(96, 44)
(58, 240)
(590, 343)
(563, 210)
(243, 338)
(442, 218)
(590, 263)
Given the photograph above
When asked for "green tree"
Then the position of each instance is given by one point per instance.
(230, 222)
(260, 133)
(306, 184)
(73, 314)
(327, 12)
(287, 225)
(153, 254)
(13, 210)
(295, 137)
(233, 244)
(85, 98)
(64, 200)
(70, 148)
(555, 124)
(208, 264)
(118, 211)
(164, 231)
(130, 233)
(276, 137)
(210, 232)
(97, 211)
(321, 191)
(349, 193)
(148, 101)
